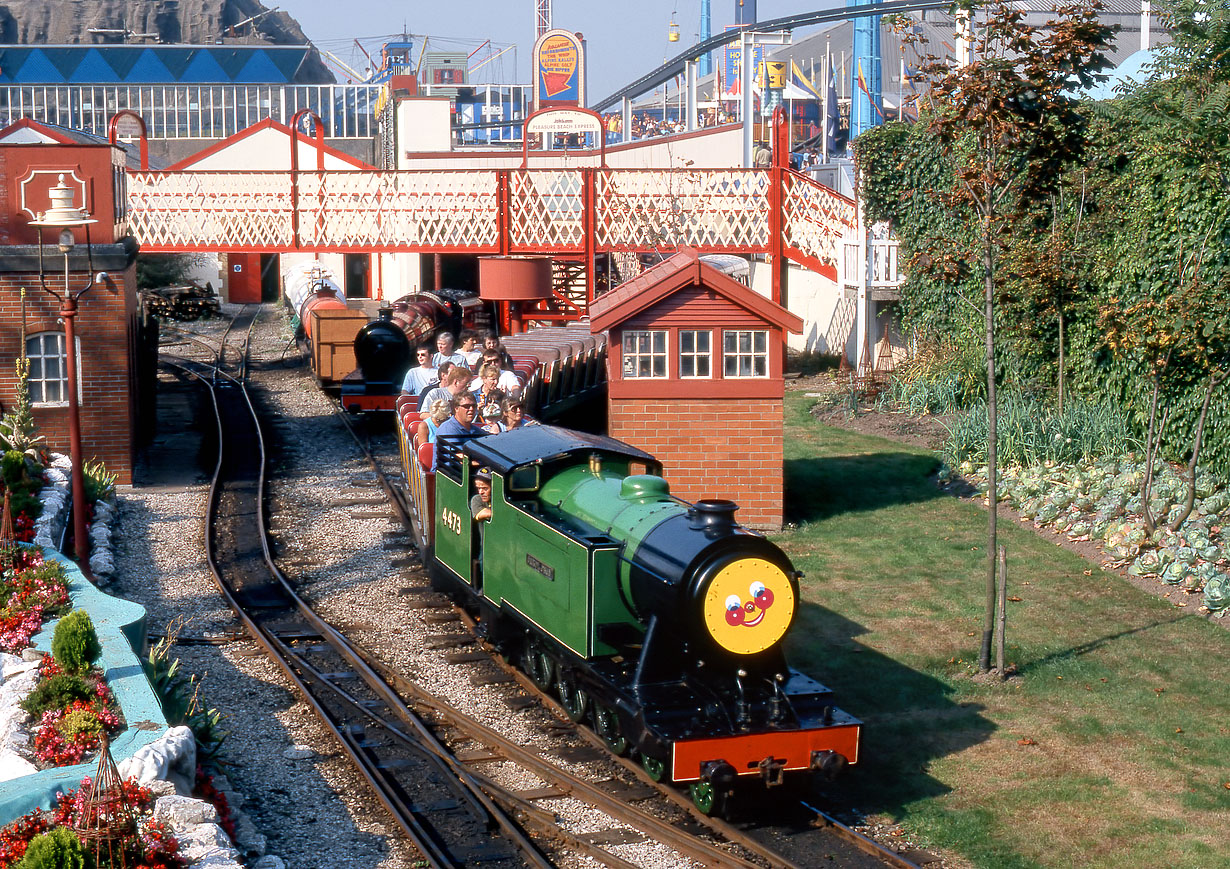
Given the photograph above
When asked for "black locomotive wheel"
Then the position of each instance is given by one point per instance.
(606, 725)
(539, 666)
(573, 699)
(653, 767)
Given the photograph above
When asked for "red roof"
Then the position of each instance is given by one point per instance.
(680, 271)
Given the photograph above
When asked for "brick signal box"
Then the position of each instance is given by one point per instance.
(696, 379)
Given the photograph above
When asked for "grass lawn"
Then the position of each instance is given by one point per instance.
(1111, 749)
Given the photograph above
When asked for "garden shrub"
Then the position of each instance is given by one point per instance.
(99, 482)
(56, 693)
(75, 644)
(58, 848)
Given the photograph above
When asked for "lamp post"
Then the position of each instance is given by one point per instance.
(66, 217)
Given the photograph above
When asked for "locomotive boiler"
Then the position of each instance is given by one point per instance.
(659, 622)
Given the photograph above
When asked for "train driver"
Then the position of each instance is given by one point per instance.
(480, 504)
(446, 352)
(421, 375)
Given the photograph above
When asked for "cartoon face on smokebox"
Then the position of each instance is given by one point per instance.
(748, 606)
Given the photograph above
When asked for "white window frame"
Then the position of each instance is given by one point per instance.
(650, 354)
(696, 355)
(751, 355)
(40, 336)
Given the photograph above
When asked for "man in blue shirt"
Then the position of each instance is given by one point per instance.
(418, 377)
(460, 423)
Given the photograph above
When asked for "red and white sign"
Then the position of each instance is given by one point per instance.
(556, 122)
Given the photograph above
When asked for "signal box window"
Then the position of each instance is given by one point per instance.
(644, 354)
(695, 353)
(446, 76)
(48, 368)
(745, 353)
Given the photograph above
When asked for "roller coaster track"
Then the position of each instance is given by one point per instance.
(676, 64)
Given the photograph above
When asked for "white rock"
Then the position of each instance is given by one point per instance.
(103, 512)
(55, 474)
(269, 861)
(14, 766)
(171, 758)
(159, 788)
(11, 665)
(298, 752)
(247, 839)
(218, 860)
(31, 655)
(184, 812)
(102, 562)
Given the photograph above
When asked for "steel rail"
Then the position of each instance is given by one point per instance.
(676, 64)
(272, 644)
(579, 788)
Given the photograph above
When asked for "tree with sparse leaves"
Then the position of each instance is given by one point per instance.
(1010, 122)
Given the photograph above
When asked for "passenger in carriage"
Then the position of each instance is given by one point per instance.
(507, 380)
(422, 375)
(461, 422)
(512, 416)
(468, 339)
(455, 384)
(491, 342)
(441, 409)
(446, 351)
(441, 373)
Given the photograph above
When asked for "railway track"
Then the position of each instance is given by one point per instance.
(437, 803)
(825, 834)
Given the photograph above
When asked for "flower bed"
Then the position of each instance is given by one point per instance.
(32, 590)
(1101, 501)
(153, 846)
(66, 733)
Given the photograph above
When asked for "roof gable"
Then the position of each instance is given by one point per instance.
(280, 153)
(683, 269)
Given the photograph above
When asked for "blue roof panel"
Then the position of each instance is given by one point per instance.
(149, 69)
(93, 68)
(260, 68)
(37, 67)
(204, 68)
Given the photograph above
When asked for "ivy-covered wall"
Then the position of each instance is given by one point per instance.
(1131, 256)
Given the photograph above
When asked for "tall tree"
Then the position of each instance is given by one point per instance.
(1012, 121)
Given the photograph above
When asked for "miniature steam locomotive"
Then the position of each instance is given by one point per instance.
(659, 622)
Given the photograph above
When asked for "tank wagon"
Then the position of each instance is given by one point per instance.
(658, 622)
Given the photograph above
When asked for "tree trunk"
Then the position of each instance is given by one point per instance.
(1190, 501)
(988, 287)
(1061, 361)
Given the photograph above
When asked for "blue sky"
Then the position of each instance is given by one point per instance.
(625, 39)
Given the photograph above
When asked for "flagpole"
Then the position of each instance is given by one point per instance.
(901, 88)
(824, 135)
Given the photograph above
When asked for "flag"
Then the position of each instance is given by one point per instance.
(832, 119)
(862, 85)
(800, 81)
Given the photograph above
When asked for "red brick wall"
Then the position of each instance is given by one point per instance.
(712, 449)
(105, 326)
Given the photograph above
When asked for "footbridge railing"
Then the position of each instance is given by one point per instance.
(491, 211)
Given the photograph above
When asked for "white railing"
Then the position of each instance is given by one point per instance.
(195, 111)
(885, 271)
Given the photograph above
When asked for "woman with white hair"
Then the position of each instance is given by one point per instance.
(440, 410)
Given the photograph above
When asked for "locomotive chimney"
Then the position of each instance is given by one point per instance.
(715, 516)
(385, 312)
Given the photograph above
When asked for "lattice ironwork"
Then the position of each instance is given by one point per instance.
(416, 210)
(814, 218)
(210, 210)
(547, 209)
(459, 210)
(711, 209)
